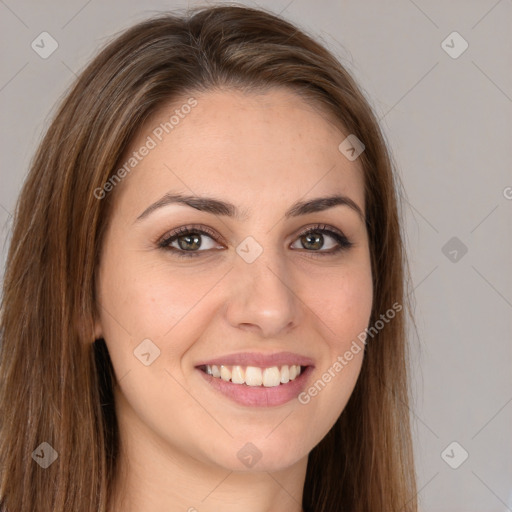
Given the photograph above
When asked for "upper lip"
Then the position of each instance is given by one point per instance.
(258, 359)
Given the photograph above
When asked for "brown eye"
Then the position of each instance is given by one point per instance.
(314, 240)
(190, 242)
(187, 241)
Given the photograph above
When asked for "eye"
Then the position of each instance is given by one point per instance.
(187, 241)
(313, 239)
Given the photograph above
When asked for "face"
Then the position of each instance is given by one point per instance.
(257, 286)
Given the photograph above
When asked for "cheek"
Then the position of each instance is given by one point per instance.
(342, 302)
(140, 302)
(143, 300)
(343, 305)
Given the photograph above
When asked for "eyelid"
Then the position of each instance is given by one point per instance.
(321, 227)
(164, 241)
(183, 230)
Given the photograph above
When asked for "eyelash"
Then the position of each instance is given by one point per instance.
(343, 242)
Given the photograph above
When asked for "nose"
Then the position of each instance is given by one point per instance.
(262, 298)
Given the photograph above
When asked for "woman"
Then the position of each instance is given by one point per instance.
(203, 296)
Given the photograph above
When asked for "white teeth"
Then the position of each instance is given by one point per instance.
(225, 373)
(271, 377)
(285, 374)
(255, 376)
(237, 375)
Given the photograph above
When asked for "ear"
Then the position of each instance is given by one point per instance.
(90, 329)
(97, 326)
(96, 317)
(98, 331)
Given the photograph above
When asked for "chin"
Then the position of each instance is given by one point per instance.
(256, 456)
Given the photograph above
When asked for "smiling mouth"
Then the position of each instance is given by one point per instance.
(254, 376)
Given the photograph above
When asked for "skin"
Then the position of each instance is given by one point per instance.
(180, 437)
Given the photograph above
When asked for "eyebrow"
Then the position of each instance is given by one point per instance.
(218, 207)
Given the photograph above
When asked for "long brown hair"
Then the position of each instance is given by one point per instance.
(56, 386)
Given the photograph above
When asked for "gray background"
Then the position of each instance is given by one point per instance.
(448, 121)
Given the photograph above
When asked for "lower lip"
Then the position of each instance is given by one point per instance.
(260, 396)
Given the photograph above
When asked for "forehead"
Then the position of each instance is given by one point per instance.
(268, 148)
